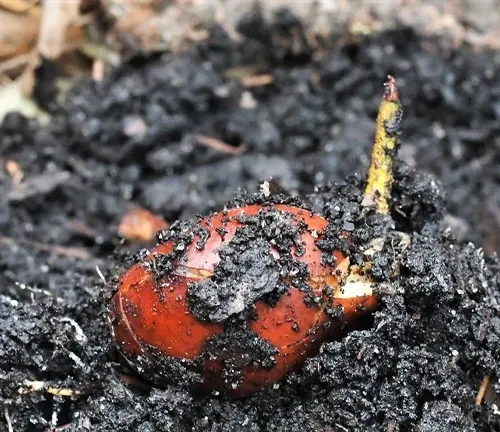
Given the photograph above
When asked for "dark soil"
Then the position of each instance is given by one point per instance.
(132, 139)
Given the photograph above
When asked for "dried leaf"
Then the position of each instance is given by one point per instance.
(57, 18)
(13, 99)
(140, 225)
(18, 32)
(18, 6)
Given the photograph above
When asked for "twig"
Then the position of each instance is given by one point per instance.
(77, 253)
(34, 386)
(32, 290)
(482, 390)
(380, 174)
(99, 273)
(219, 145)
(98, 70)
(81, 228)
(17, 61)
(8, 420)
(257, 80)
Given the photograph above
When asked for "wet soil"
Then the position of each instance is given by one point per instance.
(132, 139)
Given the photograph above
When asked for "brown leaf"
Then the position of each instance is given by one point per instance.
(141, 225)
(18, 6)
(57, 18)
(18, 32)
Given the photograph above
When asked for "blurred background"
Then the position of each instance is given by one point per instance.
(115, 113)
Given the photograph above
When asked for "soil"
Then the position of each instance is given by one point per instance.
(132, 139)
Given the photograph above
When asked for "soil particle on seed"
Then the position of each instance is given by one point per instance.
(417, 366)
(241, 277)
(238, 347)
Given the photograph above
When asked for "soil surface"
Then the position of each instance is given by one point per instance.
(133, 139)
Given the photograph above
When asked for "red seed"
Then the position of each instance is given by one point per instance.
(150, 312)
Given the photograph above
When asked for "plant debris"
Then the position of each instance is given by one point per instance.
(141, 225)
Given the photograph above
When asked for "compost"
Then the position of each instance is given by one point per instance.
(133, 139)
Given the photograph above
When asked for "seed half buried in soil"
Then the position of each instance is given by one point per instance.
(182, 314)
(245, 296)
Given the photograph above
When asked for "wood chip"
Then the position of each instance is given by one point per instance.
(482, 390)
